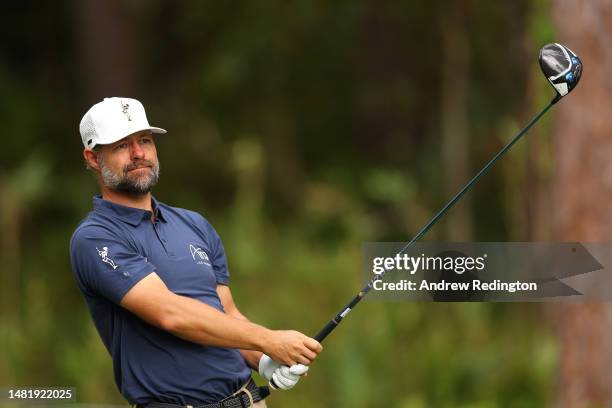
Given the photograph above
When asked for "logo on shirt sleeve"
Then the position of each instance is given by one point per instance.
(198, 255)
(104, 255)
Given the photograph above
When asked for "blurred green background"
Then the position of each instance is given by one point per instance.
(300, 129)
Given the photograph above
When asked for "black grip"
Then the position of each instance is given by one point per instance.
(329, 327)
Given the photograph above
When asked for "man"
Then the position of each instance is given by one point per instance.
(155, 280)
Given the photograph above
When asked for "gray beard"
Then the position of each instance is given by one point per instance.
(122, 182)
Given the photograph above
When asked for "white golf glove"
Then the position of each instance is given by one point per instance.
(284, 377)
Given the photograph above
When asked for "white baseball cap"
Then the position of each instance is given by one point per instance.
(112, 120)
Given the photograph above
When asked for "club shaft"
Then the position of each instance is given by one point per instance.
(333, 323)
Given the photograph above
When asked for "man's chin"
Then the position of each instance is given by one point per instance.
(133, 190)
(136, 187)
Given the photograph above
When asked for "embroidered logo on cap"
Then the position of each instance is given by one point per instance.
(124, 108)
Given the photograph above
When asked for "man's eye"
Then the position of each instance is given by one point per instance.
(146, 140)
(121, 146)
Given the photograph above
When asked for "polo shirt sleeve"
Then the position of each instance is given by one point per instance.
(219, 260)
(217, 256)
(105, 264)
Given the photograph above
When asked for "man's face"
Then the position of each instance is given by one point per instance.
(130, 165)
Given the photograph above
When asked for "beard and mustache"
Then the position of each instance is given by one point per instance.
(137, 184)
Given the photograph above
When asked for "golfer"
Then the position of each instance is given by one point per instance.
(156, 283)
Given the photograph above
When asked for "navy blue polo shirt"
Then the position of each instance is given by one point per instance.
(111, 250)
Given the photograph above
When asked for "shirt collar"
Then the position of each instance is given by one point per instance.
(131, 215)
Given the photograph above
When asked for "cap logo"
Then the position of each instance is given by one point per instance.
(124, 108)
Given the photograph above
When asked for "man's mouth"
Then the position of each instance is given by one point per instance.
(139, 171)
(141, 165)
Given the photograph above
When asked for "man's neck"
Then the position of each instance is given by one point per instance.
(143, 202)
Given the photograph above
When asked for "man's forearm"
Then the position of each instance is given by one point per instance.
(251, 357)
(151, 300)
(200, 323)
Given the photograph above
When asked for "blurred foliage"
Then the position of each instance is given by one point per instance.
(300, 130)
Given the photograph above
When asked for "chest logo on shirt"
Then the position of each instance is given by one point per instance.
(199, 256)
(104, 255)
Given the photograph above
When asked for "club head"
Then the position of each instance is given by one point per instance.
(561, 67)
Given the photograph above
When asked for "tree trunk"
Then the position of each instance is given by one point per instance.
(454, 119)
(582, 191)
(106, 48)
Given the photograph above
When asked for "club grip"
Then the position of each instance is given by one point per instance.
(329, 327)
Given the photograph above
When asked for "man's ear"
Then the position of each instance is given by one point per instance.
(91, 158)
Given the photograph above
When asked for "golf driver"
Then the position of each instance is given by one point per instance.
(563, 70)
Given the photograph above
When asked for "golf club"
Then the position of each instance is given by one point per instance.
(563, 70)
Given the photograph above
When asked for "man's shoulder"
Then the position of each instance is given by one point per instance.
(93, 226)
(192, 216)
(195, 219)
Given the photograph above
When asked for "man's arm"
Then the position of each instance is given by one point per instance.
(252, 357)
(151, 300)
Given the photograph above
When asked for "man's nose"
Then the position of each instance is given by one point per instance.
(137, 151)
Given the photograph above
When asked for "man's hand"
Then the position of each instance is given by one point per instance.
(282, 376)
(290, 347)
(285, 377)
(267, 366)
